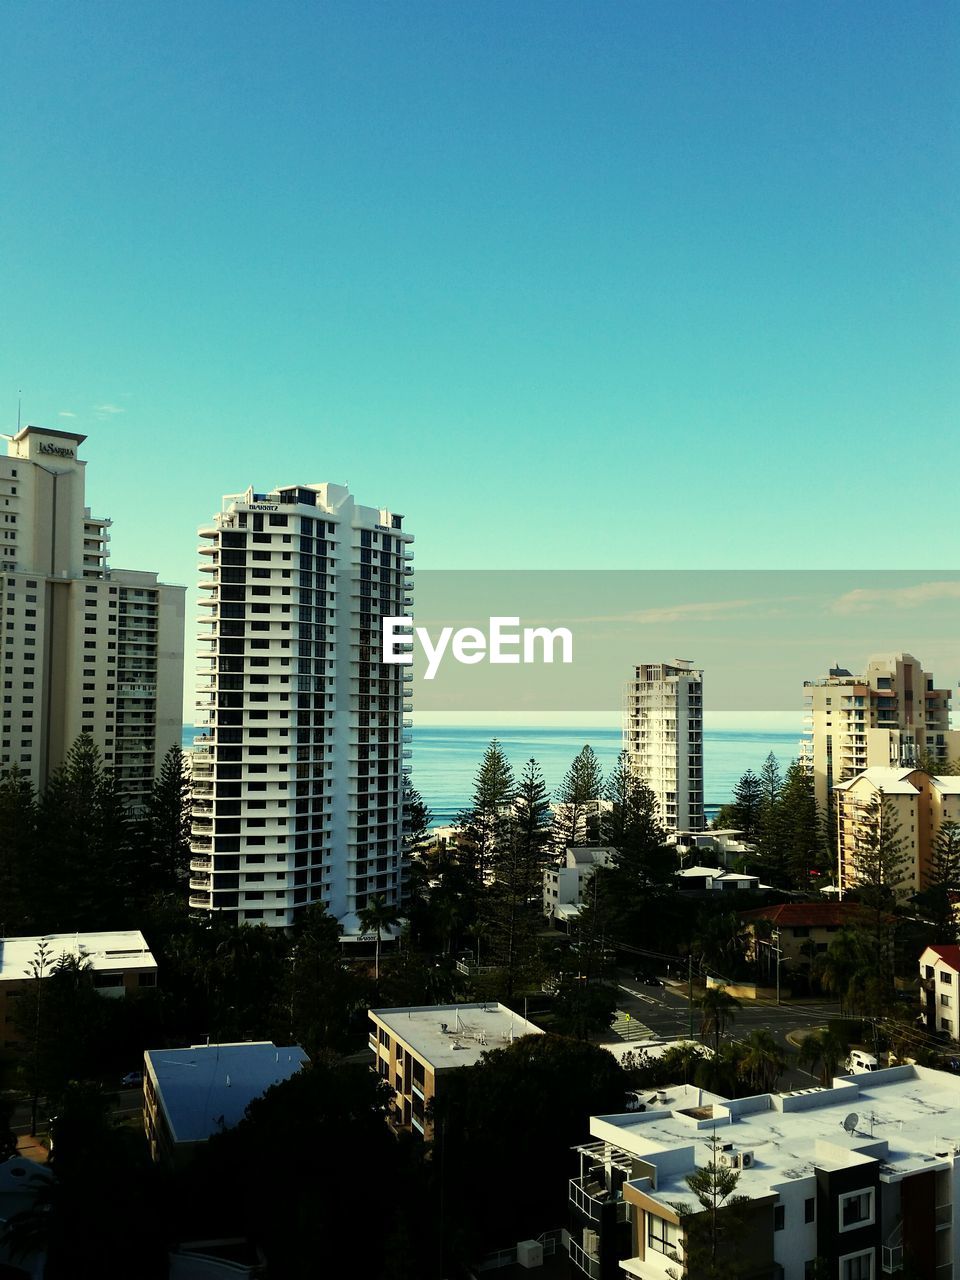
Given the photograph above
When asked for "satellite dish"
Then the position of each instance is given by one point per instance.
(850, 1122)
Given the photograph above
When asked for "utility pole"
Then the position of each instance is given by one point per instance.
(778, 953)
(690, 990)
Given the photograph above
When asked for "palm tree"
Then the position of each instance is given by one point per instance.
(763, 1062)
(716, 1013)
(823, 1047)
(376, 916)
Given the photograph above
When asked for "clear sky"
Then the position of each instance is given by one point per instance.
(571, 284)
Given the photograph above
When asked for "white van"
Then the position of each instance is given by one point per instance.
(861, 1060)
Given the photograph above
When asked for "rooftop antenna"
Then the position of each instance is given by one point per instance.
(19, 398)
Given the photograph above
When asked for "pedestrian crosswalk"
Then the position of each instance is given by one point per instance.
(629, 1027)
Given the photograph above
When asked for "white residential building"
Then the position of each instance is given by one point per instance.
(850, 1182)
(889, 717)
(565, 885)
(940, 989)
(663, 735)
(85, 648)
(298, 776)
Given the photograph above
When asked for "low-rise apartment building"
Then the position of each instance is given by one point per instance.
(850, 1182)
(565, 885)
(715, 880)
(914, 803)
(805, 929)
(417, 1046)
(191, 1094)
(118, 962)
(940, 989)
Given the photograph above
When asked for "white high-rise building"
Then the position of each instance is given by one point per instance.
(663, 736)
(298, 777)
(85, 648)
(892, 717)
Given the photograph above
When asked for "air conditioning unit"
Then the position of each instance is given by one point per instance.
(529, 1254)
(746, 1159)
(729, 1159)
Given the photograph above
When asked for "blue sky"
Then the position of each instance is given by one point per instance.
(571, 284)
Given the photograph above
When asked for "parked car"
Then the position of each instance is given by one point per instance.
(647, 979)
(132, 1080)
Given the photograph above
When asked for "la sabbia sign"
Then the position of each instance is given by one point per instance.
(58, 450)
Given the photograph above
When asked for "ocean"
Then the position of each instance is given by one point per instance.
(445, 759)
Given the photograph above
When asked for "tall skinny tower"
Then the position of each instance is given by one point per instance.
(663, 735)
(298, 775)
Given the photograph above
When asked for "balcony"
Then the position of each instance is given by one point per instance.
(587, 1263)
(590, 1196)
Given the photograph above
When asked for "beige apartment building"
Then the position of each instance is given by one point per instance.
(119, 962)
(889, 717)
(663, 736)
(417, 1046)
(85, 648)
(917, 804)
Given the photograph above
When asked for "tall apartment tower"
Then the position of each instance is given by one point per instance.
(298, 777)
(86, 648)
(889, 717)
(663, 735)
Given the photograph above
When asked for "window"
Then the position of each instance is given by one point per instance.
(946, 978)
(661, 1235)
(945, 1000)
(779, 1214)
(856, 1209)
(810, 1210)
(857, 1266)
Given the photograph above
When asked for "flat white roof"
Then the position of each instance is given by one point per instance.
(208, 1087)
(126, 949)
(906, 1117)
(455, 1035)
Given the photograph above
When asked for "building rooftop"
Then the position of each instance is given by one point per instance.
(816, 915)
(883, 778)
(126, 949)
(906, 1117)
(948, 952)
(455, 1035)
(207, 1088)
(896, 781)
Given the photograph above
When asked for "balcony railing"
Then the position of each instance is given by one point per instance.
(590, 1266)
(590, 1197)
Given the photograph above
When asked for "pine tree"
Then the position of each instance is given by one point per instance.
(800, 826)
(483, 825)
(770, 828)
(747, 805)
(943, 883)
(85, 846)
(515, 900)
(18, 829)
(879, 862)
(582, 785)
(167, 825)
(711, 1234)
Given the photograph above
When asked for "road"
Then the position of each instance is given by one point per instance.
(123, 1103)
(664, 1013)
